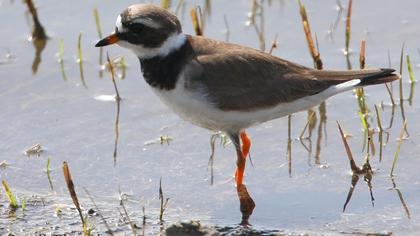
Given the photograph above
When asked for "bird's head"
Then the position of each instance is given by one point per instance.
(147, 30)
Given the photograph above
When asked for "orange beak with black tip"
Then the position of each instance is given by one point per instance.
(111, 39)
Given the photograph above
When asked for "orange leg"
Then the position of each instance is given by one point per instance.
(242, 145)
(241, 159)
(246, 143)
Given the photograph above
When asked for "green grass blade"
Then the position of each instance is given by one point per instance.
(166, 4)
(365, 128)
(10, 196)
(410, 70)
(48, 165)
(61, 58)
(61, 50)
(397, 153)
(80, 59)
(97, 22)
(23, 204)
(79, 48)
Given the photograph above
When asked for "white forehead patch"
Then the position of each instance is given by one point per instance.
(143, 20)
(147, 22)
(118, 24)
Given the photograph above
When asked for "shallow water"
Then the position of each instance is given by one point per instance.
(72, 124)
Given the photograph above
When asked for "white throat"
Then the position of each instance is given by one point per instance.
(173, 42)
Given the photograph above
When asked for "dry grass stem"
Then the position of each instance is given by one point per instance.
(197, 24)
(322, 109)
(127, 216)
(306, 28)
(289, 144)
(400, 196)
(348, 27)
(109, 230)
(73, 195)
(391, 96)
(362, 57)
(118, 100)
(112, 72)
(381, 130)
(311, 115)
(353, 165)
(163, 202)
(273, 44)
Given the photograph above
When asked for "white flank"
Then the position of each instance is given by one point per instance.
(348, 84)
(195, 108)
(173, 42)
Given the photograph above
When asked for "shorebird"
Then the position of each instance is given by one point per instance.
(222, 86)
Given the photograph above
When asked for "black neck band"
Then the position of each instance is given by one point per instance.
(163, 72)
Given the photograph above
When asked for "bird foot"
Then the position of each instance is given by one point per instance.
(247, 205)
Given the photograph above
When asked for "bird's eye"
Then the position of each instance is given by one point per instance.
(136, 27)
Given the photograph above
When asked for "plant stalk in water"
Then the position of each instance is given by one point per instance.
(348, 27)
(61, 59)
(397, 153)
(307, 29)
(10, 196)
(163, 202)
(355, 169)
(80, 59)
(48, 171)
(73, 195)
(197, 24)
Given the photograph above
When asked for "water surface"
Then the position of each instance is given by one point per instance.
(66, 117)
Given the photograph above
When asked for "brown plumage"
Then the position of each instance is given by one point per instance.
(241, 78)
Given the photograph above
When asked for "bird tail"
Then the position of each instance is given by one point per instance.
(341, 81)
(357, 78)
(380, 77)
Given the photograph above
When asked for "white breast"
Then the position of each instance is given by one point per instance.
(192, 106)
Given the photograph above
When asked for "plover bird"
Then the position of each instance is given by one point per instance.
(222, 86)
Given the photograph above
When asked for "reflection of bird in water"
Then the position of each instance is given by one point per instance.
(38, 36)
(222, 86)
